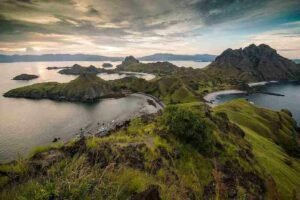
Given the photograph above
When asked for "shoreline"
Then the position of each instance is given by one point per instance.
(211, 97)
(103, 129)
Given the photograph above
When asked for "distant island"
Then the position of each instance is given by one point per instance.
(56, 57)
(233, 69)
(25, 77)
(176, 57)
(85, 57)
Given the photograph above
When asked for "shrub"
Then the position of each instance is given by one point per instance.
(188, 127)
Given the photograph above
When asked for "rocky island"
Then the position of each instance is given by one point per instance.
(173, 84)
(85, 88)
(25, 77)
(78, 69)
(107, 65)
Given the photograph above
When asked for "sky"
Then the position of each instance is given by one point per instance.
(143, 27)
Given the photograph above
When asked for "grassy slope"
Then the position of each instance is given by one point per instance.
(132, 159)
(259, 125)
(74, 178)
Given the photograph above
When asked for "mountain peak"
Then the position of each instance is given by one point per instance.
(255, 63)
(129, 60)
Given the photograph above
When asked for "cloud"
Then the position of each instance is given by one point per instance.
(123, 26)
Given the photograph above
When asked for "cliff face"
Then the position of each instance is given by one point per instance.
(254, 63)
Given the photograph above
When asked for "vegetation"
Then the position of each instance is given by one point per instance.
(189, 151)
(187, 126)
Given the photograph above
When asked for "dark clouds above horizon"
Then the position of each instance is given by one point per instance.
(140, 27)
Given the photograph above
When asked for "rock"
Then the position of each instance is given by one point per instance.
(152, 193)
(107, 65)
(25, 77)
(44, 160)
(151, 103)
(77, 147)
(56, 139)
(130, 60)
(156, 165)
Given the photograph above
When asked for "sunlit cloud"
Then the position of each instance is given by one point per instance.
(123, 27)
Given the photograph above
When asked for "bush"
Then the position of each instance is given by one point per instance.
(188, 127)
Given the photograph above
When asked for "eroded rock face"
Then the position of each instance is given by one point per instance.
(255, 63)
(25, 77)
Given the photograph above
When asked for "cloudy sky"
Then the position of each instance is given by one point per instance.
(141, 27)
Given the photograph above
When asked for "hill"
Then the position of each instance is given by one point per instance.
(85, 88)
(174, 57)
(188, 152)
(254, 63)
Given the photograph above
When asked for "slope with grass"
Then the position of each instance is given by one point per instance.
(275, 143)
(188, 152)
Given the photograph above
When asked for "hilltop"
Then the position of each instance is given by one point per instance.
(254, 63)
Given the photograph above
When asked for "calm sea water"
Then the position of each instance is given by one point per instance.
(290, 101)
(27, 123)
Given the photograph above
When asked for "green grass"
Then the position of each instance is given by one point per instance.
(271, 158)
(263, 128)
(40, 149)
(278, 126)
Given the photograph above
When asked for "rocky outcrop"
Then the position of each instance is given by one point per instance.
(130, 60)
(133, 65)
(25, 77)
(107, 65)
(254, 63)
(78, 69)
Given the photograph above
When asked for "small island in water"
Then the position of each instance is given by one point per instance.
(25, 77)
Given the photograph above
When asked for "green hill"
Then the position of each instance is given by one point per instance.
(188, 152)
(85, 88)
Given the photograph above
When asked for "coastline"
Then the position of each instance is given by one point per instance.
(103, 129)
(211, 97)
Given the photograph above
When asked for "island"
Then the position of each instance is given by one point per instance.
(25, 77)
(189, 150)
(107, 65)
(85, 88)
